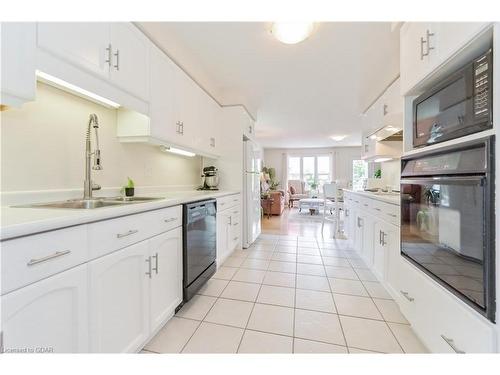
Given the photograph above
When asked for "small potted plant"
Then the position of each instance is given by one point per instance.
(129, 188)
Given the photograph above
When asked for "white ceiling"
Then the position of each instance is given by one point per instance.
(301, 94)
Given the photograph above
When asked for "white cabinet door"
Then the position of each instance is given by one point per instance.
(416, 54)
(223, 236)
(130, 59)
(83, 44)
(185, 107)
(161, 107)
(379, 249)
(18, 62)
(452, 36)
(166, 277)
(119, 300)
(51, 314)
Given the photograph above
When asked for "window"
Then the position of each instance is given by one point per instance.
(310, 168)
(359, 174)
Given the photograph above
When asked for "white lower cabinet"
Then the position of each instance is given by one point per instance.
(444, 323)
(134, 291)
(48, 316)
(119, 299)
(166, 278)
(228, 226)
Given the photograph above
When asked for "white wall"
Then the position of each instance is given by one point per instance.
(43, 148)
(342, 160)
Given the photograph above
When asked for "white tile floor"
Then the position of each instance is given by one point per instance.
(289, 294)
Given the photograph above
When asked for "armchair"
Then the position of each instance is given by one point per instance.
(296, 191)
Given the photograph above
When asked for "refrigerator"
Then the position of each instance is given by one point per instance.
(252, 165)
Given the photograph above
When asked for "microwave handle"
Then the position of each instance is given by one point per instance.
(458, 180)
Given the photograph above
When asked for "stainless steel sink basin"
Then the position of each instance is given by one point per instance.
(88, 204)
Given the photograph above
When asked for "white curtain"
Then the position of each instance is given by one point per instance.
(284, 171)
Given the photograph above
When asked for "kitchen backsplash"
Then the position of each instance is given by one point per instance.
(391, 171)
(43, 145)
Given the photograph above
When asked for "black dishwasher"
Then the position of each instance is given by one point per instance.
(199, 245)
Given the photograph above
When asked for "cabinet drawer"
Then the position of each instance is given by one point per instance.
(226, 202)
(390, 213)
(110, 235)
(160, 221)
(32, 258)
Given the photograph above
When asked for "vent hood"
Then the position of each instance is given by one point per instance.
(392, 129)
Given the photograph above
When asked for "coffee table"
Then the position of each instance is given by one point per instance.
(312, 203)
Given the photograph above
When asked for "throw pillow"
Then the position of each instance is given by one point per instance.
(292, 190)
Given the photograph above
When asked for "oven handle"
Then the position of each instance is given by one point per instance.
(464, 180)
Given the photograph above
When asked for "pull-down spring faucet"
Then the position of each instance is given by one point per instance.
(88, 185)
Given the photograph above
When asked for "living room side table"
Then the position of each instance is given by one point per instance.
(267, 203)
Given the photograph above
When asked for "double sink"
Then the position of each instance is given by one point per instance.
(88, 204)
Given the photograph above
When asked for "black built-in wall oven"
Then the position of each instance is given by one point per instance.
(459, 105)
(448, 220)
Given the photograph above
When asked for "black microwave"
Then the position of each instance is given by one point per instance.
(460, 104)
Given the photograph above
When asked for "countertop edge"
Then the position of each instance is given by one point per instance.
(382, 198)
(74, 218)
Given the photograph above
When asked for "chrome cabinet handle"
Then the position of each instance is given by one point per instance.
(234, 224)
(180, 127)
(380, 237)
(108, 50)
(117, 55)
(346, 212)
(383, 243)
(451, 343)
(170, 220)
(235, 239)
(360, 222)
(121, 235)
(236, 212)
(235, 200)
(392, 215)
(365, 204)
(407, 296)
(148, 261)
(57, 254)
(422, 41)
(427, 42)
(156, 263)
(212, 142)
(378, 209)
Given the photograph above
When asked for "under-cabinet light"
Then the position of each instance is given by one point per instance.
(177, 151)
(380, 160)
(66, 86)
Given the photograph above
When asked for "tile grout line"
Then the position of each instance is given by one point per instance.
(253, 307)
(336, 309)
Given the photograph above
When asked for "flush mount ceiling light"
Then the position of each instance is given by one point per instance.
(292, 32)
(338, 138)
(177, 151)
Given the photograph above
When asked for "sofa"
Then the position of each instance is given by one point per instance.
(278, 204)
(296, 191)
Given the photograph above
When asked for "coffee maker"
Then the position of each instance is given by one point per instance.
(210, 178)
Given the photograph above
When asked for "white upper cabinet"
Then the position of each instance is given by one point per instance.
(426, 45)
(166, 278)
(161, 106)
(187, 98)
(18, 63)
(84, 44)
(115, 52)
(129, 59)
(51, 314)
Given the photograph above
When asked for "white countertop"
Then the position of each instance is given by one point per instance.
(18, 222)
(392, 198)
